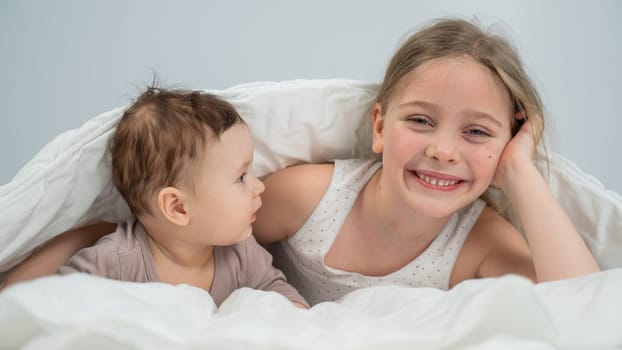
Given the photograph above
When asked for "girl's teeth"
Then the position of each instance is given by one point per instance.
(436, 182)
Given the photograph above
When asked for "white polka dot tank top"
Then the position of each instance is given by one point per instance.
(302, 256)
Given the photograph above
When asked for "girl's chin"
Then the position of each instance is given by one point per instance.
(436, 210)
(440, 208)
(438, 215)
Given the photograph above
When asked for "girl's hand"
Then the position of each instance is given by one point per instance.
(517, 153)
(555, 246)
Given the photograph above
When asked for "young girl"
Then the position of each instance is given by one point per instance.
(447, 123)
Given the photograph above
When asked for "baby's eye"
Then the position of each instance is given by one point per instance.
(241, 178)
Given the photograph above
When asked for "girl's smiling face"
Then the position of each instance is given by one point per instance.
(442, 134)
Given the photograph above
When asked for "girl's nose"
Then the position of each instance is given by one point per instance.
(443, 148)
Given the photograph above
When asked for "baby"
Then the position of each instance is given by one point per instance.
(182, 160)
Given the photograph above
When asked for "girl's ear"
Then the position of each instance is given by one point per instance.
(172, 206)
(377, 121)
(521, 118)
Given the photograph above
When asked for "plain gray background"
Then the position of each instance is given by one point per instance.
(63, 62)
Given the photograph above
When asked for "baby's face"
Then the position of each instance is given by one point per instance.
(226, 192)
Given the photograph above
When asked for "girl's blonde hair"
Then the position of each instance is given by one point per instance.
(457, 37)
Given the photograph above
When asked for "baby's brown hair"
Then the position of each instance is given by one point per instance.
(160, 139)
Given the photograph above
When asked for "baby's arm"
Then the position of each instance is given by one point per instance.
(291, 195)
(557, 249)
(260, 274)
(46, 260)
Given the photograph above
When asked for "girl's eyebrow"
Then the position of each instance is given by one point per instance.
(424, 104)
(483, 115)
(471, 112)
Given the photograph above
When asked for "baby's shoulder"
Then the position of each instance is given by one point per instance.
(245, 255)
(126, 237)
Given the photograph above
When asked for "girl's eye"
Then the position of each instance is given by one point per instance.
(419, 121)
(241, 178)
(477, 132)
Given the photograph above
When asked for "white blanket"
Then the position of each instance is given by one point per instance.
(85, 312)
(68, 184)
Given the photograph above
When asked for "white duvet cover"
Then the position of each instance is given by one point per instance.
(68, 184)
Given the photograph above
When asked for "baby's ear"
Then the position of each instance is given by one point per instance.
(171, 203)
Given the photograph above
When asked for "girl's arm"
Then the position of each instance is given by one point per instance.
(46, 260)
(556, 248)
(289, 199)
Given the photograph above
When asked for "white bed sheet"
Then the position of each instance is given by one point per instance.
(68, 184)
(81, 311)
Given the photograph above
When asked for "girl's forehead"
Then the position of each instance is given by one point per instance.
(453, 80)
(443, 69)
